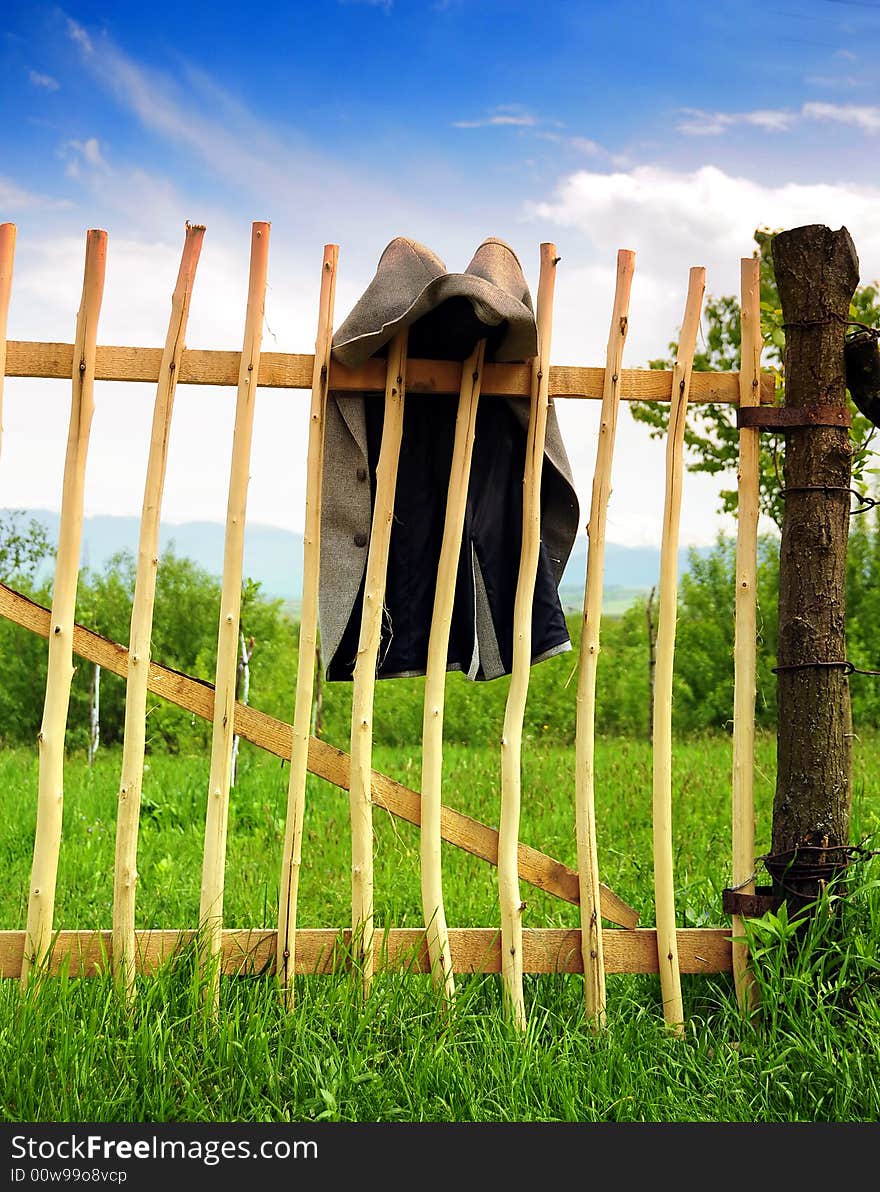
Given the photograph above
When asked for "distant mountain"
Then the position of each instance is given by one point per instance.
(273, 556)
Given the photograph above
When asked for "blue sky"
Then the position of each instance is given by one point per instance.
(669, 128)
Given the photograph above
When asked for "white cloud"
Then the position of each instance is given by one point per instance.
(585, 145)
(864, 117)
(833, 81)
(500, 116)
(672, 220)
(703, 124)
(89, 152)
(16, 198)
(43, 80)
(79, 35)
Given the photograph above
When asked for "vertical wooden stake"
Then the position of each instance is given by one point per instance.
(134, 738)
(364, 679)
(511, 906)
(50, 799)
(585, 807)
(217, 815)
(7, 258)
(745, 631)
(291, 862)
(435, 674)
(664, 887)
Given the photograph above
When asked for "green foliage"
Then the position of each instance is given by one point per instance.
(184, 637)
(74, 1051)
(24, 548)
(711, 435)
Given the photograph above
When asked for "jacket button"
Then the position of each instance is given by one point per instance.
(360, 539)
(362, 474)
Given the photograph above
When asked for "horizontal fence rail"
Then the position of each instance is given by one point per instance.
(288, 370)
(325, 950)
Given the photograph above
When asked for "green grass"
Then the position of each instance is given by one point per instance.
(69, 1051)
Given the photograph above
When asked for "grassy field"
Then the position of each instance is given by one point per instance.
(73, 1053)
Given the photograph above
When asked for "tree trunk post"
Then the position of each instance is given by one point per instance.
(817, 272)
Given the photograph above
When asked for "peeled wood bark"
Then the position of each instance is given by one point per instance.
(745, 626)
(511, 906)
(435, 674)
(817, 272)
(134, 737)
(50, 799)
(220, 779)
(291, 861)
(664, 887)
(7, 257)
(364, 678)
(585, 740)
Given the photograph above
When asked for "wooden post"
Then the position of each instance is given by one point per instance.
(664, 886)
(134, 736)
(364, 679)
(7, 258)
(50, 799)
(585, 736)
(511, 906)
(291, 862)
(745, 625)
(435, 674)
(217, 815)
(817, 272)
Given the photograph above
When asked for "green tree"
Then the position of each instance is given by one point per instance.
(24, 548)
(711, 435)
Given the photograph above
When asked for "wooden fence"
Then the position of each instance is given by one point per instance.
(511, 950)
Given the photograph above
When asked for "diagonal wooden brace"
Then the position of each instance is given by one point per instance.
(276, 736)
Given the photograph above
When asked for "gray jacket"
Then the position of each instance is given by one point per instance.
(446, 314)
